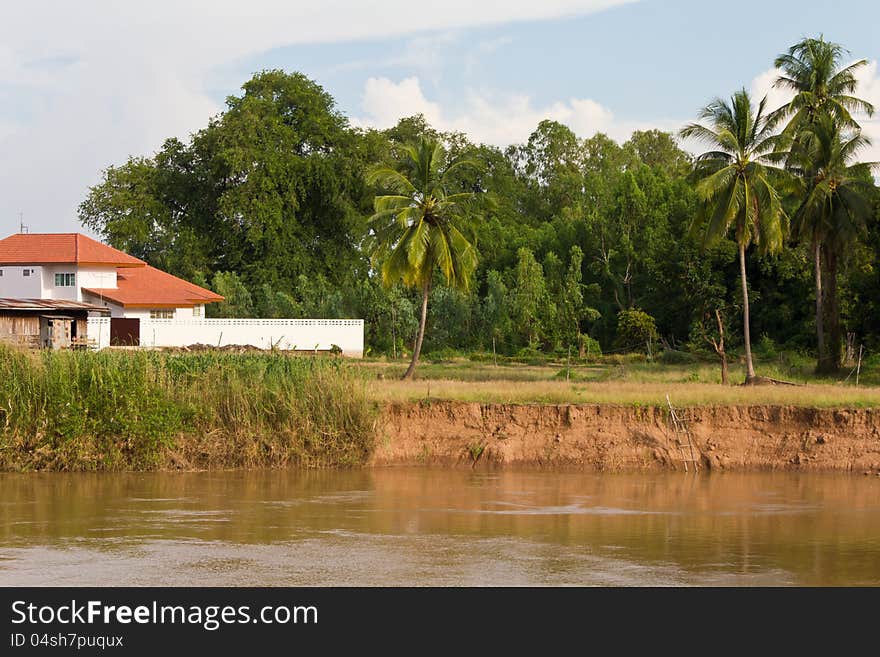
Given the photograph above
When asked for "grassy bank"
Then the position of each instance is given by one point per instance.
(142, 410)
(629, 381)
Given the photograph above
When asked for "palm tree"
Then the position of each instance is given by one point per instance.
(834, 210)
(825, 136)
(735, 187)
(812, 70)
(419, 225)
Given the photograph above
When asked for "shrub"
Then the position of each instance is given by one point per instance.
(766, 348)
(635, 330)
(592, 348)
(443, 355)
(675, 357)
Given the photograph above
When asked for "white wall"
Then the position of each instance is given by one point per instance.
(135, 313)
(41, 283)
(301, 334)
(14, 285)
(98, 329)
(116, 310)
(85, 277)
(180, 313)
(96, 277)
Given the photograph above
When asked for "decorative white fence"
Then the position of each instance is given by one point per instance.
(98, 329)
(286, 334)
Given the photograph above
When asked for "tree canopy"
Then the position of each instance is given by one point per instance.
(271, 204)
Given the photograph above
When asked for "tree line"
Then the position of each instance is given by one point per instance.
(577, 244)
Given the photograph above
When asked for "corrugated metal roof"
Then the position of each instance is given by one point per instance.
(48, 304)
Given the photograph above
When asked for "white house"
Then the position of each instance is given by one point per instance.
(78, 277)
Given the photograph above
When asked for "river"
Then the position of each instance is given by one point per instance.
(412, 526)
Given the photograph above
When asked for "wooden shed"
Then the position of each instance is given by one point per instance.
(46, 323)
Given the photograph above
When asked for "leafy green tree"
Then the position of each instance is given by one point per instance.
(496, 307)
(656, 148)
(736, 188)
(572, 307)
(452, 319)
(532, 307)
(422, 224)
(276, 303)
(237, 302)
(271, 189)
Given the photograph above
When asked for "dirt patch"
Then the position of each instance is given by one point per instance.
(611, 438)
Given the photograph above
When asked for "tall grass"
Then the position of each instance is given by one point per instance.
(142, 410)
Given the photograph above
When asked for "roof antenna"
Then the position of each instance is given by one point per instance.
(21, 227)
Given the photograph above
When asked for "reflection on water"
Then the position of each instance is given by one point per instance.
(438, 527)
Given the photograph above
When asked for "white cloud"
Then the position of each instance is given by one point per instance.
(98, 80)
(494, 45)
(868, 89)
(492, 119)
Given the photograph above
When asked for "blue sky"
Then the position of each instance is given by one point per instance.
(102, 81)
(643, 60)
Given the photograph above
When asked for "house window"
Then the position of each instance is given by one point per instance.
(162, 313)
(65, 280)
(197, 311)
(26, 272)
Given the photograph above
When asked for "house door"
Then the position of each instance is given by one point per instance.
(125, 331)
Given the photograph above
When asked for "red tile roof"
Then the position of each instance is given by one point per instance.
(148, 287)
(61, 248)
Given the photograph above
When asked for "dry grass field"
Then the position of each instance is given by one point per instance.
(631, 384)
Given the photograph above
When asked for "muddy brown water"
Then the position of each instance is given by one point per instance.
(412, 526)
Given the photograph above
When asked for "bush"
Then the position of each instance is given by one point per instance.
(635, 330)
(530, 356)
(592, 348)
(443, 355)
(674, 357)
(766, 348)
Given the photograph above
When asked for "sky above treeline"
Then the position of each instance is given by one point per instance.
(87, 84)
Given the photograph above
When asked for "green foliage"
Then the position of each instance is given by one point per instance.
(588, 347)
(675, 357)
(766, 347)
(531, 306)
(237, 298)
(270, 205)
(636, 330)
(423, 222)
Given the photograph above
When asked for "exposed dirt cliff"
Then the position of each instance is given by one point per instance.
(611, 438)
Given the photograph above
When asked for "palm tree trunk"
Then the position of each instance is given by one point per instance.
(831, 313)
(750, 367)
(426, 288)
(820, 318)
